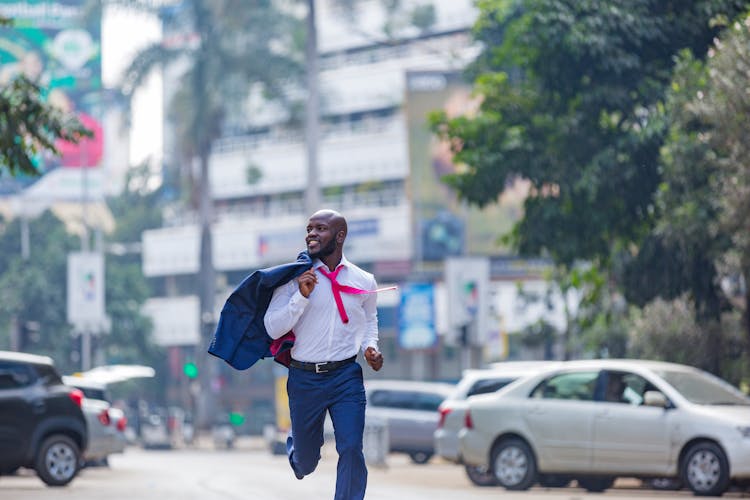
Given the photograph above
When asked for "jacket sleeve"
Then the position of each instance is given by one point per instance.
(285, 309)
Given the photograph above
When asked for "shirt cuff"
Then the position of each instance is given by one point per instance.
(372, 344)
(298, 301)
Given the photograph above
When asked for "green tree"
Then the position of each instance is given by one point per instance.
(29, 127)
(726, 107)
(700, 241)
(679, 255)
(33, 291)
(570, 92)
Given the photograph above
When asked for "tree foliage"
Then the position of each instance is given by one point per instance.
(570, 92)
(632, 139)
(33, 291)
(700, 244)
(29, 127)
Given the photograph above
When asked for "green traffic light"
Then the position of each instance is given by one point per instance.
(190, 369)
(236, 418)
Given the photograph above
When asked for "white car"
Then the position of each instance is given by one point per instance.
(473, 382)
(106, 424)
(598, 420)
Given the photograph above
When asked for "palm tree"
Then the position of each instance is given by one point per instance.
(227, 48)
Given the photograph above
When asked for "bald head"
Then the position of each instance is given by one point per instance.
(334, 219)
(326, 232)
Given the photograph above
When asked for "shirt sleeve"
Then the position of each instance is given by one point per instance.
(371, 319)
(285, 309)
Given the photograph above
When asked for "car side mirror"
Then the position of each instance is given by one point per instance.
(655, 398)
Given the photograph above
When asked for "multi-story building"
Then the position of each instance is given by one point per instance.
(378, 165)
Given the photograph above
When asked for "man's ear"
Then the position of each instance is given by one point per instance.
(341, 236)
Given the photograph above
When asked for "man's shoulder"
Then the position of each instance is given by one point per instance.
(358, 271)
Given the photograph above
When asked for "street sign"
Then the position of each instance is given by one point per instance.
(86, 310)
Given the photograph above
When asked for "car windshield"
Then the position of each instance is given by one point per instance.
(704, 389)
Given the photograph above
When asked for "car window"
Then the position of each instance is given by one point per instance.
(704, 389)
(406, 400)
(392, 399)
(625, 387)
(15, 375)
(570, 385)
(93, 393)
(488, 385)
(427, 401)
(48, 374)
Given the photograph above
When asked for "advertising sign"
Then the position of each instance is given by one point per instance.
(52, 45)
(417, 316)
(86, 291)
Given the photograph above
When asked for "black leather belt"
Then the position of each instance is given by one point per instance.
(324, 367)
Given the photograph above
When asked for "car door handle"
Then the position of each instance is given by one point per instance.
(38, 406)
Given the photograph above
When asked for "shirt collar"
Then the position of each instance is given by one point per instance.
(343, 263)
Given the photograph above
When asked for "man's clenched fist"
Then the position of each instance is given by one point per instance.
(374, 358)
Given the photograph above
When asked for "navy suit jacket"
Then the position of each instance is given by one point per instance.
(241, 338)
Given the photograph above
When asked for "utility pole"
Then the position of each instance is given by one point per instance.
(312, 113)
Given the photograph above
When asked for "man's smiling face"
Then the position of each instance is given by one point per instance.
(321, 237)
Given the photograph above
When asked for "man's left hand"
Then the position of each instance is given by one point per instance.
(374, 358)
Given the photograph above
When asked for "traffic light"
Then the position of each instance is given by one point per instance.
(236, 418)
(190, 369)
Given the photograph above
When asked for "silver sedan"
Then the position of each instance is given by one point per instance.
(598, 420)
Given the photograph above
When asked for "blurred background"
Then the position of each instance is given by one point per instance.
(536, 192)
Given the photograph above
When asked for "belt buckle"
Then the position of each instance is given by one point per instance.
(317, 367)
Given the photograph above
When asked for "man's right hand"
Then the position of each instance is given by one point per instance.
(306, 282)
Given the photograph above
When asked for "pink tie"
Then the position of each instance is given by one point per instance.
(337, 288)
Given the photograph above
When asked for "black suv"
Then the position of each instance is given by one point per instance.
(41, 423)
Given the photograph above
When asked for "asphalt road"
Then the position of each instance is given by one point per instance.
(251, 472)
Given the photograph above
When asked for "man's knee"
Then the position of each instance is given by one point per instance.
(305, 462)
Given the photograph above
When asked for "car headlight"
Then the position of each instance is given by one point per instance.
(744, 430)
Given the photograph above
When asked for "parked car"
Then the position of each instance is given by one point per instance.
(410, 410)
(451, 411)
(154, 430)
(597, 420)
(106, 424)
(42, 425)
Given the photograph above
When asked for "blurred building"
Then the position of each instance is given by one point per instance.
(380, 166)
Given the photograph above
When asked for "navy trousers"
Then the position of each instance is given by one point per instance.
(341, 393)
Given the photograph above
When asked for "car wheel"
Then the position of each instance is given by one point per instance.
(480, 475)
(705, 469)
(420, 457)
(596, 484)
(554, 481)
(513, 464)
(57, 460)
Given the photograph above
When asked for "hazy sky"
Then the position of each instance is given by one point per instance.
(123, 34)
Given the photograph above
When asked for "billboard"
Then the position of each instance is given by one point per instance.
(52, 44)
(86, 311)
(443, 226)
(417, 316)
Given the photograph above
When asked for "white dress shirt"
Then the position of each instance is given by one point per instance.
(320, 333)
